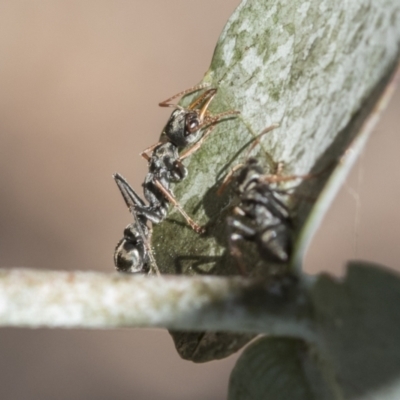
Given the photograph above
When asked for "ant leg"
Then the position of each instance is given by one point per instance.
(166, 103)
(145, 152)
(213, 119)
(208, 121)
(212, 122)
(279, 168)
(196, 227)
(208, 96)
(235, 237)
(228, 178)
(277, 177)
(153, 264)
(257, 139)
(136, 204)
(133, 201)
(236, 253)
(194, 148)
(286, 192)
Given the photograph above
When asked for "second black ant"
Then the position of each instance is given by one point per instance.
(261, 216)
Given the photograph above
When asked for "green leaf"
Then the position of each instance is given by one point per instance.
(202, 347)
(283, 368)
(317, 68)
(310, 66)
(359, 322)
(357, 355)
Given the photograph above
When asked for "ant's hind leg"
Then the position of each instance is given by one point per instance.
(170, 197)
(278, 177)
(135, 203)
(132, 199)
(228, 178)
(238, 231)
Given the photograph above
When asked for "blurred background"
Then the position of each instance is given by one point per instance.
(79, 88)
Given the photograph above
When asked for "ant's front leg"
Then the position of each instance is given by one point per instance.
(145, 153)
(197, 146)
(211, 122)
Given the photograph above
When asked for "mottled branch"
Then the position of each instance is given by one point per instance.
(33, 298)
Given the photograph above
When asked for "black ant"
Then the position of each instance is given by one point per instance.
(261, 216)
(184, 128)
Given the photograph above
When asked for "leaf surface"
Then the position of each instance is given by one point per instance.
(316, 68)
(359, 322)
(278, 368)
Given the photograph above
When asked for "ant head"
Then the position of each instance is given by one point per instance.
(184, 127)
(130, 254)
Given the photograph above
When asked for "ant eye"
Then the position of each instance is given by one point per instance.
(192, 125)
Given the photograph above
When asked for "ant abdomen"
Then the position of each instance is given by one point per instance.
(130, 253)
